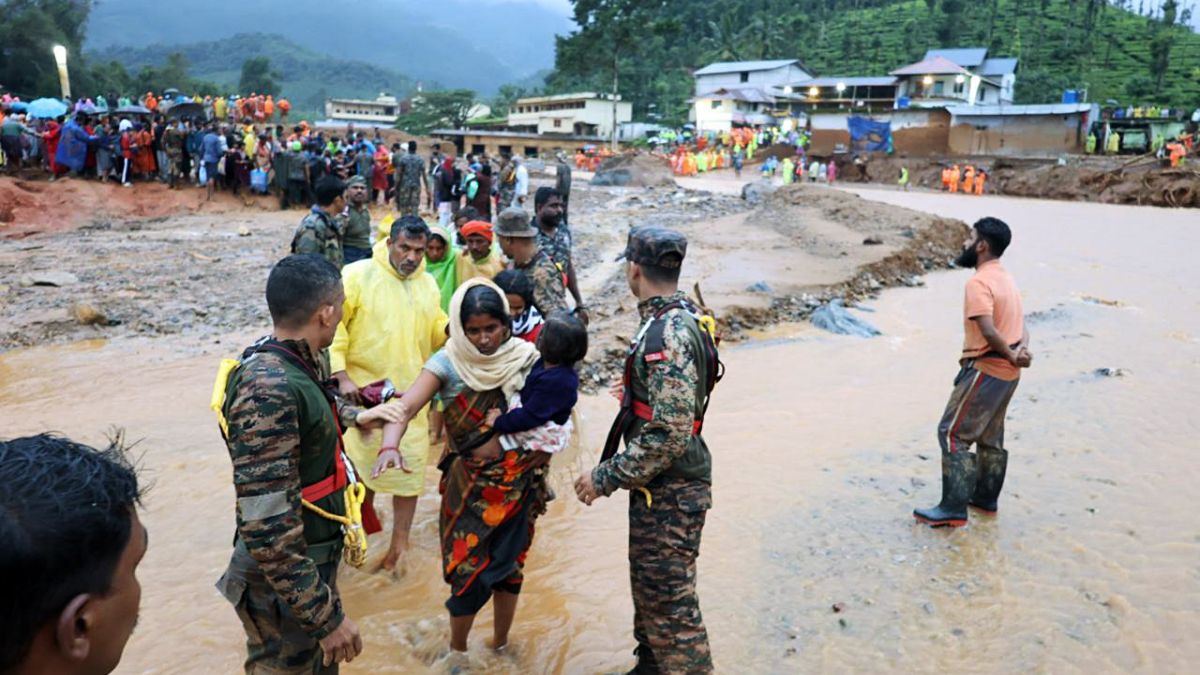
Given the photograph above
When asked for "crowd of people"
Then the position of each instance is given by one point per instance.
(969, 179)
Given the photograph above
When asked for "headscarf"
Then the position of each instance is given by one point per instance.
(479, 227)
(445, 271)
(505, 369)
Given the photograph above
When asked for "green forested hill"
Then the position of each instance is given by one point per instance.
(1062, 44)
(306, 77)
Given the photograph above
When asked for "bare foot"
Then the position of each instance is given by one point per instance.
(393, 560)
(493, 645)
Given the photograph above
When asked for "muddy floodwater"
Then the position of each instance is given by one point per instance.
(822, 446)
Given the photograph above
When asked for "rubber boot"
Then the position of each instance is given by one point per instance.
(958, 483)
(993, 463)
(646, 665)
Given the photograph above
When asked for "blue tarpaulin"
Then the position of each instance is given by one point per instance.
(868, 134)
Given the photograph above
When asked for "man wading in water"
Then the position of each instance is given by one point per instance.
(995, 348)
(669, 373)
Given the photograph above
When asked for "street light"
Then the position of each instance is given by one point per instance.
(927, 80)
(841, 88)
(960, 79)
(813, 92)
(60, 59)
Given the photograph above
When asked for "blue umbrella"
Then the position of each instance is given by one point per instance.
(18, 106)
(46, 107)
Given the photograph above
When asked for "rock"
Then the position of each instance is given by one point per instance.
(838, 607)
(834, 318)
(88, 315)
(759, 287)
(49, 278)
(243, 231)
(1110, 372)
(872, 241)
(754, 193)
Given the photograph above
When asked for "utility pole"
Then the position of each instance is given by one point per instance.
(616, 83)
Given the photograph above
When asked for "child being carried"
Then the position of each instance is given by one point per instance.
(539, 416)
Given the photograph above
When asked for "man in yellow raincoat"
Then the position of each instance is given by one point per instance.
(392, 322)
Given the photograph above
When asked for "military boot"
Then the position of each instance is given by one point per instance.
(993, 463)
(646, 665)
(958, 482)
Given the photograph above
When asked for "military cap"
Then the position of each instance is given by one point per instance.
(356, 180)
(515, 222)
(657, 246)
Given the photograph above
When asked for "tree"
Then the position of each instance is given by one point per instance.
(437, 109)
(1161, 43)
(28, 29)
(257, 77)
(506, 96)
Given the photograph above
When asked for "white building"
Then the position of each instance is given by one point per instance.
(718, 111)
(383, 110)
(749, 74)
(582, 114)
(956, 77)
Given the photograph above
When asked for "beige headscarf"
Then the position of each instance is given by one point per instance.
(505, 369)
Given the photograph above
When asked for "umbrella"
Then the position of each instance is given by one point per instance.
(168, 92)
(18, 106)
(87, 109)
(46, 107)
(132, 110)
(190, 109)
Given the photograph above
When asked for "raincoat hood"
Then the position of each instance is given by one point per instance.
(445, 271)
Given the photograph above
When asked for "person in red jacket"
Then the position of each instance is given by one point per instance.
(128, 148)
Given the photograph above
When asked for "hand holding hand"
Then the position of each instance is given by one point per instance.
(585, 489)
(1024, 358)
(492, 416)
(347, 388)
(393, 412)
(389, 458)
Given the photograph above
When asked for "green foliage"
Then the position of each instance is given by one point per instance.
(436, 110)
(1062, 44)
(28, 31)
(258, 78)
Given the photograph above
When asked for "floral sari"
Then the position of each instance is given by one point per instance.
(488, 506)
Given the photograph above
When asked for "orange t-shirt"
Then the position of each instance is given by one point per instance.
(992, 292)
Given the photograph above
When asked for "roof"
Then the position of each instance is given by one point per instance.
(1005, 110)
(514, 134)
(967, 58)
(884, 81)
(747, 94)
(744, 66)
(578, 96)
(932, 65)
(993, 67)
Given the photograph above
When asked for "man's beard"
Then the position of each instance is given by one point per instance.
(968, 258)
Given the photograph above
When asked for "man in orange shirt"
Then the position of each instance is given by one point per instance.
(995, 349)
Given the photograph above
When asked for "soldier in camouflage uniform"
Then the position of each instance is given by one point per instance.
(285, 443)
(322, 231)
(518, 240)
(507, 188)
(172, 142)
(410, 177)
(666, 466)
(357, 242)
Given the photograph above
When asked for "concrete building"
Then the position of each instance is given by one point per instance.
(383, 110)
(525, 143)
(955, 77)
(764, 75)
(848, 93)
(721, 109)
(582, 114)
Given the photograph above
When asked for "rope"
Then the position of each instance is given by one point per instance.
(355, 537)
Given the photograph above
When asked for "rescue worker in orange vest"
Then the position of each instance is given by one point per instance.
(980, 179)
(954, 175)
(945, 179)
(1177, 152)
(968, 180)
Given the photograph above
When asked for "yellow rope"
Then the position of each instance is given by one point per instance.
(355, 536)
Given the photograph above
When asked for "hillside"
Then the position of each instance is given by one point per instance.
(457, 43)
(307, 77)
(1085, 44)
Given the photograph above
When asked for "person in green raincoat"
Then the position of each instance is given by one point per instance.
(789, 170)
(441, 262)
(1091, 144)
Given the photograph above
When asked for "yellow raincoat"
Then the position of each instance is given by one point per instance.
(488, 268)
(390, 326)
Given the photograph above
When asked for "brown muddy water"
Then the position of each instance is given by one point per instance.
(822, 446)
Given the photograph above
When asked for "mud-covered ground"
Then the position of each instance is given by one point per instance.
(198, 276)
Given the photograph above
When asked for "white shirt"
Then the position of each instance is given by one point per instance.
(522, 189)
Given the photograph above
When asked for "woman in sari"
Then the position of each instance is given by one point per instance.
(491, 496)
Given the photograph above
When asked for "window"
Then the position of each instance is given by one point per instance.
(557, 123)
(716, 105)
(478, 149)
(939, 88)
(958, 87)
(505, 149)
(531, 151)
(745, 77)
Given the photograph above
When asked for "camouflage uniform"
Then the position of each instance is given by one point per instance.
(408, 184)
(508, 184)
(356, 228)
(668, 470)
(320, 234)
(557, 246)
(172, 142)
(549, 294)
(283, 573)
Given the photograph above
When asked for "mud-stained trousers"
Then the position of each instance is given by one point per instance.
(664, 542)
(975, 415)
(276, 644)
(408, 200)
